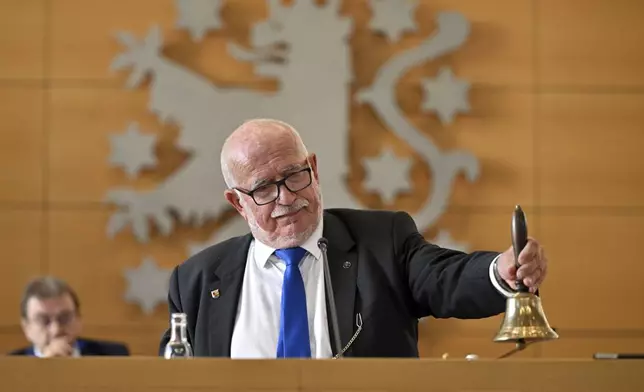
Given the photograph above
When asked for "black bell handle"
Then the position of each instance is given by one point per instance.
(519, 241)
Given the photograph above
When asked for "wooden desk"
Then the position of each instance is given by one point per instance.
(141, 374)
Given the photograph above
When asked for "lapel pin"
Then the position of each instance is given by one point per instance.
(215, 293)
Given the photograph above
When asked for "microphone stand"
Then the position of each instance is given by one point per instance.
(322, 244)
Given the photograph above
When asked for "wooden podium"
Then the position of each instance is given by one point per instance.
(143, 374)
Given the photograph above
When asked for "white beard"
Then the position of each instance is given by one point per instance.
(285, 241)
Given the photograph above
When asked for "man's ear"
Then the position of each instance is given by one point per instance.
(25, 329)
(233, 199)
(313, 161)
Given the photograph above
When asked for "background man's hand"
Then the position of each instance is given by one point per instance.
(58, 347)
(533, 266)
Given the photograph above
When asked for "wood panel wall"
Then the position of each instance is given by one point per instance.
(557, 119)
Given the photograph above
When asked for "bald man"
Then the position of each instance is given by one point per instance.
(263, 295)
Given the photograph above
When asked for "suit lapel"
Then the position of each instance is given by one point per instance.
(81, 346)
(222, 295)
(225, 281)
(342, 257)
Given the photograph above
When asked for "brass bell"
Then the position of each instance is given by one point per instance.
(524, 321)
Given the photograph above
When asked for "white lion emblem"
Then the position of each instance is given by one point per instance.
(306, 49)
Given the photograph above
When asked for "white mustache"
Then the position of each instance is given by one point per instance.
(281, 210)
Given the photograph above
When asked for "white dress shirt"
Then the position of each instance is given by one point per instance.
(495, 282)
(257, 324)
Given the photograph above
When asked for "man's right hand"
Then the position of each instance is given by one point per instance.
(58, 347)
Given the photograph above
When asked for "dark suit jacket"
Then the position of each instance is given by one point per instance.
(88, 347)
(395, 278)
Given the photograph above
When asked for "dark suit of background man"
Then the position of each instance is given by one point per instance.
(247, 298)
(50, 311)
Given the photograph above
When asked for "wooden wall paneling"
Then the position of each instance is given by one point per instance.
(81, 253)
(22, 245)
(21, 144)
(22, 37)
(589, 151)
(594, 271)
(590, 43)
(498, 132)
(84, 48)
(82, 121)
(484, 229)
(11, 338)
(498, 50)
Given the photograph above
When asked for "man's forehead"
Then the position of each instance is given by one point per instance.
(269, 173)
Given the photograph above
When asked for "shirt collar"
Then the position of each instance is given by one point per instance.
(263, 252)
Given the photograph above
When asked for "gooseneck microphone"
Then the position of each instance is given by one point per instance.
(323, 244)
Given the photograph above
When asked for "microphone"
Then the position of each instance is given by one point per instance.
(323, 244)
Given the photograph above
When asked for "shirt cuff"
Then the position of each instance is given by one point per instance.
(497, 285)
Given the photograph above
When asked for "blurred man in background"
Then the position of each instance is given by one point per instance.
(51, 321)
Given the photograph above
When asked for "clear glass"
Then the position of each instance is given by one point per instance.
(178, 346)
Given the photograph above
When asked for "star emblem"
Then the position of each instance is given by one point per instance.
(199, 16)
(446, 95)
(133, 150)
(393, 17)
(147, 285)
(388, 175)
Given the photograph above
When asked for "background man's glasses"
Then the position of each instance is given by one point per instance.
(268, 193)
(43, 320)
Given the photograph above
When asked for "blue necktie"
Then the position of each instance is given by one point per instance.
(294, 324)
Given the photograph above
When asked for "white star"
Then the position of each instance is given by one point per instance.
(444, 240)
(133, 150)
(446, 95)
(393, 17)
(199, 16)
(388, 174)
(147, 285)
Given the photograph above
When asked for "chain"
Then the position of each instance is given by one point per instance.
(353, 338)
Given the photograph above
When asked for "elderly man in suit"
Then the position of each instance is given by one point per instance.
(51, 321)
(263, 295)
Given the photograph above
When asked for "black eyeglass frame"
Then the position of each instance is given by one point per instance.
(278, 184)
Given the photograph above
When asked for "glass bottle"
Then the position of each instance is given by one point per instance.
(178, 346)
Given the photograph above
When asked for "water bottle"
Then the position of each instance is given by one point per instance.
(178, 346)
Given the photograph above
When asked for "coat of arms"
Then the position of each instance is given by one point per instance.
(305, 47)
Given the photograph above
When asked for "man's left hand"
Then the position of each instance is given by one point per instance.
(533, 266)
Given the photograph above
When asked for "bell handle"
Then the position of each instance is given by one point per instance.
(519, 241)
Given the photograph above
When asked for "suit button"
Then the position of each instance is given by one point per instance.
(346, 264)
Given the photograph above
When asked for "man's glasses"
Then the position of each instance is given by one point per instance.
(44, 320)
(268, 193)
